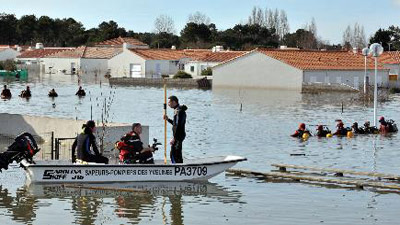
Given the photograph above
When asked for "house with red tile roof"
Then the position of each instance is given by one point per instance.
(119, 42)
(195, 67)
(391, 60)
(151, 62)
(33, 56)
(292, 69)
(82, 59)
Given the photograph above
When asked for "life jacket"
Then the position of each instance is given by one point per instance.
(129, 146)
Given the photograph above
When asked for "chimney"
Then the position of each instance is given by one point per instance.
(39, 46)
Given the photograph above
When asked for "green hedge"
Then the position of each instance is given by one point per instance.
(182, 75)
(207, 72)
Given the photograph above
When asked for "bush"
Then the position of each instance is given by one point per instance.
(8, 65)
(164, 76)
(207, 72)
(182, 75)
(394, 90)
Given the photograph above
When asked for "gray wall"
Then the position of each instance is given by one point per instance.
(348, 77)
(119, 65)
(256, 70)
(94, 65)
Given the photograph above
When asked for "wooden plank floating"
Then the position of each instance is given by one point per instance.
(283, 167)
(277, 175)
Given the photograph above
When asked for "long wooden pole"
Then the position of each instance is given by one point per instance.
(165, 122)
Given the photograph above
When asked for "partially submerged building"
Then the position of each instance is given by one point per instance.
(293, 69)
(391, 61)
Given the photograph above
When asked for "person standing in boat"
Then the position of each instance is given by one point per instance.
(85, 145)
(131, 147)
(178, 128)
(5, 93)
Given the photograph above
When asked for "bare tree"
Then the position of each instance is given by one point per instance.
(269, 19)
(313, 27)
(354, 37)
(256, 17)
(164, 24)
(199, 18)
(284, 25)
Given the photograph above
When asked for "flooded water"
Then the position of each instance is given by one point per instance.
(251, 123)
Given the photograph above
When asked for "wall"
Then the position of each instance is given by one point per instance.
(158, 82)
(60, 64)
(198, 67)
(13, 125)
(151, 68)
(8, 53)
(346, 77)
(256, 70)
(119, 65)
(94, 65)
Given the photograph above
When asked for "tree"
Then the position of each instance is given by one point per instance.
(385, 37)
(256, 17)
(284, 25)
(301, 39)
(199, 18)
(45, 30)
(8, 26)
(196, 35)
(354, 37)
(164, 24)
(26, 29)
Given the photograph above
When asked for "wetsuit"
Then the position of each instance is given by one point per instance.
(6, 93)
(130, 148)
(83, 144)
(299, 133)
(322, 133)
(81, 92)
(341, 131)
(178, 130)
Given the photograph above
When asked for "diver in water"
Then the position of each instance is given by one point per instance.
(26, 93)
(80, 92)
(300, 131)
(322, 131)
(387, 126)
(53, 93)
(356, 129)
(6, 93)
(341, 130)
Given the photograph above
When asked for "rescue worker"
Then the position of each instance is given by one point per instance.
(341, 130)
(302, 130)
(80, 92)
(85, 145)
(6, 93)
(178, 128)
(26, 93)
(387, 126)
(321, 132)
(356, 129)
(53, 93)
(131, 147)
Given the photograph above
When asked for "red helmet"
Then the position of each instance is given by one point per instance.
(340, 124)
(302, 126)
(320, 127)
(381, 119)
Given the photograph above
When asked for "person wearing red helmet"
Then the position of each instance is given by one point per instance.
(300, 131)
(341, 130)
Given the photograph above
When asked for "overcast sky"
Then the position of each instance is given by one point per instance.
(331, 16)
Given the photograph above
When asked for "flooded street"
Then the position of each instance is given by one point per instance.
(255, 124)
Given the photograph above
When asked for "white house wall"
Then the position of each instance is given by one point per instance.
(119, 65)
(353, 78)
(94, 65)
(165, 67)
(60, 64)
(8, 54)
(198, 67)
(256, 70)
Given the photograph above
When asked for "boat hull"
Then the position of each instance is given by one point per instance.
(51, 172)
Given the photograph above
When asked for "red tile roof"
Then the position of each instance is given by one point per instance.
(40, 53)
(319, 60)
(119, 41)
(101, 53)
(221, 56)
(169, 54)
(392, 57)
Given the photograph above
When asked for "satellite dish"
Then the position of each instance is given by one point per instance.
(376, 49)
(365, 51)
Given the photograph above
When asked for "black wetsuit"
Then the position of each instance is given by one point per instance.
(178, 130)
(81, 93)
(6, 93)
(322, 133)
(83, 144)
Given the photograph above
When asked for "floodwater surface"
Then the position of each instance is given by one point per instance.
(252, 123)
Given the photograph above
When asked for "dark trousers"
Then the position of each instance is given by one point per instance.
(176, 152)
(96, 159)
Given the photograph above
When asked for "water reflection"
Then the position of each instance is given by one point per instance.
(87, 202)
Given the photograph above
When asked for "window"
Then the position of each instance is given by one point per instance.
(191, 68)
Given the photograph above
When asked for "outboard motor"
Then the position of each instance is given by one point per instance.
(24, 147)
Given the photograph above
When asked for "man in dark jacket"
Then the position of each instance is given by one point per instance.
(85, 145)
(178, 128)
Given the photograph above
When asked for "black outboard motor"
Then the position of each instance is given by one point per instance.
(24, 147)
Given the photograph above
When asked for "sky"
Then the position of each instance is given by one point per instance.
(331, 16)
